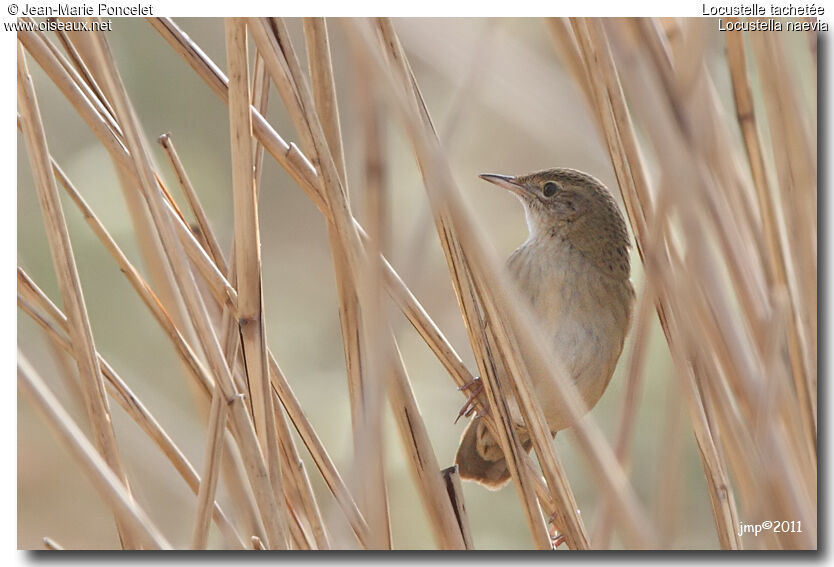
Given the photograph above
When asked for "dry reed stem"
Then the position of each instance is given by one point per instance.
(63, 261)
(567, 47)
(76, 68)
(282, 388)
(138, 283)
(250, 313)
(80, 66)
(324, 89)
(286, 77)
(108, 137)
(191, 360)
(449, 526)
(379, 362)
(222, 290)
(298, 491)
(301, 492)
(454, 489)
(298, 472)
(301, 169)
(608, 103)
(240, 492)
(725, 365)
(211, 470)
(387, 360)
(301, 504)
(278, 67)
(260, 100)
(413, 432)
(302, 499)
(804, 444)
(324, 100)
(67, 370)
(749, 287)
(71, 87)
(619, 131)
(194, 204)
(719, 490)
(721, 362)
(747, 120)
(715, 470)
(302, 496)
(141, 168)
(193, 363)
(796, 174)
(37, 305)
(150, 246)
(134, 522)
(628, 415)
(306, 431)
(289, 97)
(287, 155)
(749, 123)
(706, 126)
(318, 453)
(275, 40)
(468, 92)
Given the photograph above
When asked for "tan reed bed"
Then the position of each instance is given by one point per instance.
(721, 203)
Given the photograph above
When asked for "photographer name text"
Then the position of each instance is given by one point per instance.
(88, 10)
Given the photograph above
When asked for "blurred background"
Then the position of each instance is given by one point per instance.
(502, 103)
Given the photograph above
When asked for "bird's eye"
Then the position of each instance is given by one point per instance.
(550, 188)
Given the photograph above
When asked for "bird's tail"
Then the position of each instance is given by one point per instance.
(479, 457)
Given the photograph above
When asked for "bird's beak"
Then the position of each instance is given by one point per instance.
(507, 182)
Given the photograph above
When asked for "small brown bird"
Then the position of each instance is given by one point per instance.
(574, 270)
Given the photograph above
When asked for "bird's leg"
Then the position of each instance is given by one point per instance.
(475, 388)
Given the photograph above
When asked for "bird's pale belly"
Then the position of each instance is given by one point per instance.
(584, 327)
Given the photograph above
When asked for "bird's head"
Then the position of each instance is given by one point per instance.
(575, 207)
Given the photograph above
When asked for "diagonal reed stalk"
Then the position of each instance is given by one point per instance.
(132, 519)
(80, 332)
(38, 306)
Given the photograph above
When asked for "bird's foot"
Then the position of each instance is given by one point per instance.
(475, 388)
(556, 539)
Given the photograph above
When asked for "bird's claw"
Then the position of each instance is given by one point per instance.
(476, 387)
(557, 539)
